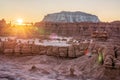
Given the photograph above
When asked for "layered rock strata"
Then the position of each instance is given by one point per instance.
(81, 30)
(71, 17)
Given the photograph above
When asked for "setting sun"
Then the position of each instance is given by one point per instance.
(19, 21)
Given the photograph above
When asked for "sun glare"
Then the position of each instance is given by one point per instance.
(19, 21)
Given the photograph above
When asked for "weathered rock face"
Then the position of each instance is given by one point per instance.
(20, 49)
(70, 17)
(80, 29)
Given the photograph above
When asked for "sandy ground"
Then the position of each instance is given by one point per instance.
(42, 67)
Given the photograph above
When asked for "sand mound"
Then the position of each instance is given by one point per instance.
(51, 68)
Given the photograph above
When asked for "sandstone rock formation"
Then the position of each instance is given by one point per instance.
(71, 17)
(81, 30)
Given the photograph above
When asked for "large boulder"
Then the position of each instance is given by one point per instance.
(63, 51)
(26, 50)
(95, 49)
(43, 50)
(49, 51)
(35, 49)
(78, 52)
(55, 51)
(17, 50)
(8, 52)
(9, 44)
(108, 62)
(117, 63)
(1, 47)
(71, 52)
(8, 47)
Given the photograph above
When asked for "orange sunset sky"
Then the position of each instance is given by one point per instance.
(35, 10)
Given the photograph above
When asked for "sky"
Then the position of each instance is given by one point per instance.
(35, 10)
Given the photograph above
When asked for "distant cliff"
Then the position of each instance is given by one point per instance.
(83, 29)
(71, 17)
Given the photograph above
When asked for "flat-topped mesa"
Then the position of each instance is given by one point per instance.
(71, 17)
